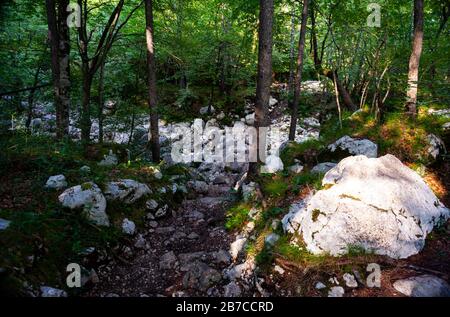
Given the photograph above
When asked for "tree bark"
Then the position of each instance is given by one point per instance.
(264, 77)
(58, 34)
(413, 73)
(292, 52)
(298, 76)
(151, 69)
(101, 101)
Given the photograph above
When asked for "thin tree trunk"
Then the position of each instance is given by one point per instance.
(264, 77)
(152, 97)
(413, 73)
(298, 76)
(101, 101)
(85, 105)
(292, 52)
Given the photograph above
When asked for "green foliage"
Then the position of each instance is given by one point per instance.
(237, 216)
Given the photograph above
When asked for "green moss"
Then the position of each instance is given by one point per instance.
(276, 188)
(237, 216)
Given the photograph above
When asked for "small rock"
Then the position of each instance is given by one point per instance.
(423, 286)
(109, 160)
(221, 256)
(296, 169)
(271, 239)
(164, 230)
(273, 165)
(323, 168)
(126, 190)
(249, 191)
(237, 246)
(232, 290)
(4, 224)
(85, 169)
(279, 269)
(193, 236)
(151, 204)
(56, 182)
(152, 224)
(128, 227)
(201, 277)
(336, 291)
(350, 280)
(168, 261)
(140, 242)
(47, 291)
(319, 286)
(162, 212)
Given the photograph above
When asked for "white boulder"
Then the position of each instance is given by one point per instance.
(126, 190)
(272, 101)
(56, 182)
(377, 204)
(47, 291)
(89, 197)
(355, 146)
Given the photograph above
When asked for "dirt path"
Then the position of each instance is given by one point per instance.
(182, 254)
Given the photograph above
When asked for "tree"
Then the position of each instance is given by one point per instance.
(90, 65)
(151, 72)
(264, 79)
(59, 38)
(413, 73)
(298, 75)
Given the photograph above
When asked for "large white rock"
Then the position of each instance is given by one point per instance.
(423, 286)
(273, 164)
(127, 191)
(89, 197)
(56, 182)
(355, 146)
(377, 204)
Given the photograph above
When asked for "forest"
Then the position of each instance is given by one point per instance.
(224, 148)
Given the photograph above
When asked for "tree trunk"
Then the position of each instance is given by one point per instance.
(58, 34)
(152, 97)
(413, 73)
(85, 106)
(298, 76)
(101, 101)
(264, 76)
(292, 52)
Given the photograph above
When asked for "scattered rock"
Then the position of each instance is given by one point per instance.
(156, 172)
(355, 147)
(4, 224)
(109, 160)
(47, 291)
(278, 269)
(232, 290)
(127, 191)
(221, 257)
(249, 191)
(201, 277)
(89, 197)
(296, 169)
(237, 246)
(271, 239)
(85, 169)
(323, 168)
(423, 286)
(273, 165)
(436, 146)
(446, 126)
(206, 110)
(336, 291)
(56, 182)
(162, 212)
(128, 227)
(350, 280)
(199, 187)
(168, 261)
(272, 101)
(319, 286)
(151, 205)
(379, 205)
(165, 230)
(250, 119)
(140, 242)
(193, 236)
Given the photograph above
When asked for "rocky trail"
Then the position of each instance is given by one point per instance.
(181, 255)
